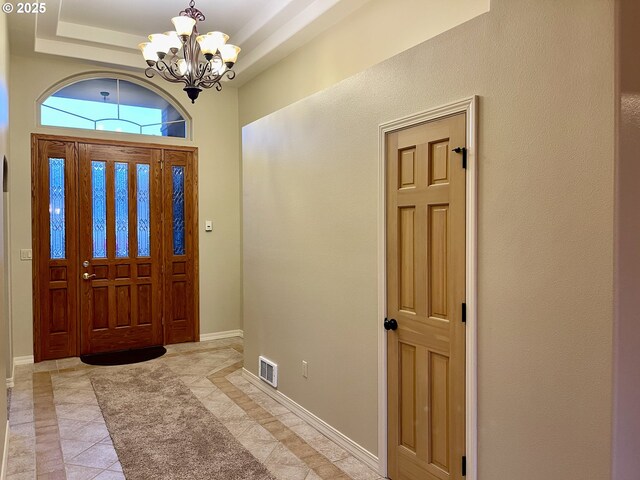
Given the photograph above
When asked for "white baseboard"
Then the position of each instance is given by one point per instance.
(10, 380)
(5, 453)
(359, 452)
(26, 360)
(204, 337)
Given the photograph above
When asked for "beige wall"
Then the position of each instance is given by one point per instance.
(544, 72)
(216, 134)
(375, 32)
(4, 151)
(626, 462)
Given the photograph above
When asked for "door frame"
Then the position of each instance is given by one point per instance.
(469, 106)
(35, 138)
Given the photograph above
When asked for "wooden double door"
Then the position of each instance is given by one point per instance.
(114, 246)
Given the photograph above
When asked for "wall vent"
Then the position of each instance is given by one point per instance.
(268, 371)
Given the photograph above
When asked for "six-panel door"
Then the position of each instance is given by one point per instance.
(425, 293)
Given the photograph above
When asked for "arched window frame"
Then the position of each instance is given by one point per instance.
(114, 76)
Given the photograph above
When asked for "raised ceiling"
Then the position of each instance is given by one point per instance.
(108, 31)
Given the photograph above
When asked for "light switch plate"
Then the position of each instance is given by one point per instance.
(25, 254)
(208, 226)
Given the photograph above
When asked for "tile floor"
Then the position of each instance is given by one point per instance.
(57, 430)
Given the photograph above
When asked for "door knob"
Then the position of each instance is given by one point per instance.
(390, 324)
(86, 276)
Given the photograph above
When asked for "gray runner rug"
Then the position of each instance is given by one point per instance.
(160, 430)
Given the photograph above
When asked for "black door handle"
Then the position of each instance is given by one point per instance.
(390, 324)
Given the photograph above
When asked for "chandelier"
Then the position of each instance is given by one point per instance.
(184, 56)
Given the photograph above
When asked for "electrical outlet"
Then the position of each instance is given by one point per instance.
(305, 369)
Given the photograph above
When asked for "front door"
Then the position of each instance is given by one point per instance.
(425, 295)
(120, 248)
(115, 245)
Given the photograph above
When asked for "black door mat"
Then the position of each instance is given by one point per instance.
(123, 357)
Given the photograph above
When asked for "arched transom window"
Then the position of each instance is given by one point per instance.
(114, 105)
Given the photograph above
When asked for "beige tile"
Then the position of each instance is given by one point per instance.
(21, 416)
(201, 392)
(58, 379)
(217, 405)
(313, 476)
(110, 475)
(57, 474)
(49, 465)
(21, 401)
(203, 382)
(233, 413)
(22, 430)
(77, 472)
(67, 395)
(88, 432)
(356, 469)
(258, 441)
(97, 456)
(22, 476)
(318, 441)
(283, 456)
(48, 366)
(238, 427)
(107, 441)
(307, 432)
(190, 380)
(67, 428)
(329, 449)
(69, 362)
(74, 411)
(270, 405)
(19, 445)
(22, 370)
(78, 383)
(258, 448)
(22, 463)
(286, 466)
(249, 389)
(48, 449)
(290, 419)
(330, 471)
(72, 448)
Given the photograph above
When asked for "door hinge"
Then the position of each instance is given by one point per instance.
(463, 151)
(464, 466)
(464, 312)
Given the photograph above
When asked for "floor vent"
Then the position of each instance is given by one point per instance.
(268, 371)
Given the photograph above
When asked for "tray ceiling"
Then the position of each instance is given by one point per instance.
(108, 31)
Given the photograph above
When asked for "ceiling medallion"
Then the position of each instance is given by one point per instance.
(184, 56)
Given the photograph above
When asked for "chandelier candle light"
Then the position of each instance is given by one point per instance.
(176, 55)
